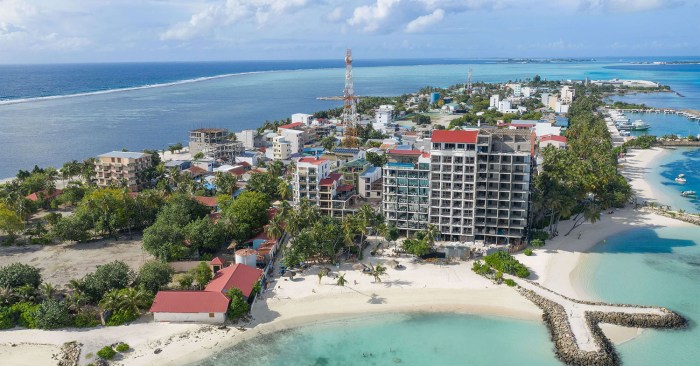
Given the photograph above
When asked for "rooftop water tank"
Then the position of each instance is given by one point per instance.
(247, 256)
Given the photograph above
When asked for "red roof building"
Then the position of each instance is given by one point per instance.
(291, 126)
(207, 201)
(333, 177)
(458, 136)
(238, 275)
(311, 160)
(44, 194)
(405, 152)
(553, 138)
(189, 302)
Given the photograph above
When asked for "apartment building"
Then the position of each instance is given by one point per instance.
(215, 143)
(122, 169)
(406, 190)
(281, 148)
(313, 180)
(473, 185)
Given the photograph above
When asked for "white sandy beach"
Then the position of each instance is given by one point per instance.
(418, 288)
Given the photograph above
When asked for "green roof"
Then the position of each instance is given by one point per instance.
(357, 163)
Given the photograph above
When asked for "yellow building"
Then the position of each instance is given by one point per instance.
(122, 169)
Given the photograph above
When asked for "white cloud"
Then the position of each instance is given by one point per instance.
(336, 14)
(618, 5)
(424, 21)
(371, 17)
(227, 13)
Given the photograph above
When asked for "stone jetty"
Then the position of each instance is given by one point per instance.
(574, 325)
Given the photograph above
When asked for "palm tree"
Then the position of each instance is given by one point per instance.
(283, 189)
(133, 299)
(275, 168)
(6, 295)
(341, 281)
(47, 290)
(431, 233)
(378, 271)
(274, 228)
(111, 301)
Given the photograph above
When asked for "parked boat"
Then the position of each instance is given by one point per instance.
(688, 194)
(639, 125)
(680, 178)
(624, 133)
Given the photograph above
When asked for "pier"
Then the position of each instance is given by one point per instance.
(574, 324)
(687, 113)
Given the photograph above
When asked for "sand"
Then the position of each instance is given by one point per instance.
(418, 288)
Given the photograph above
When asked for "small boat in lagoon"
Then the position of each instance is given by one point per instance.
(680, 178)
(688, 194)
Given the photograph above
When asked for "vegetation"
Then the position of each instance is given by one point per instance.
(51, 314)
(238, 306)
(581, 181)
(18, 274)
(154, 275)
(106, 353)
(624, 105)
(378, 160)
(246, 214)
(421, 119)
(122, 347)
(528, 252)
(504, 262)
(509, 282)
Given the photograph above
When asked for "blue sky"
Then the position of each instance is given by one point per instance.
(40, 31)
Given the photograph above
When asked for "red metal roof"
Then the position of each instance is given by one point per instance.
(553, 138)
(206, 201)
(467, 137)
(238, 171)
(333, 177)
(311, 160)
(346, 188)
(189, 302)
(238, 275)
(217, 261)
(405, 152)
(291, 125)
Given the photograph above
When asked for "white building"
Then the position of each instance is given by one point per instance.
(567, 94)
(190, 307)
(553, 140)
(296, 138)
(306, 119)
(383, 117)
(527, 91)
(247, 137)
(281, 148)
(546, 128)
(517, 90)
(370, 183)
(493, 101)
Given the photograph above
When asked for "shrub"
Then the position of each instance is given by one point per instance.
(542, 235)
(106, 353)
(7, 318)
(120, 317)
(528, 252)
(86, 319)
(505, 262)
(238, 307)
(481, 268)
(537, 243)
(107, 277)
(19, 274)
(52, 314)
(122, 347)
(25, 312)
(509, 282)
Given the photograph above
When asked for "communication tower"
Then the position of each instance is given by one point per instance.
(349, 105)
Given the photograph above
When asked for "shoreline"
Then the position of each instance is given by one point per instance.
(560, 266)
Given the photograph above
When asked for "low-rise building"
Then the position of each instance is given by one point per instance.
(122, 168)
(217, 143)
(554, 140)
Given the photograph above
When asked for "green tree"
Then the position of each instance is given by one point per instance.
(264, 183)
(154, 275)
(226, 183)
(202, 274)
(52, 314)
(341, 281)
(328, 143)
(204, 235)
(378, 160)
(421, 119)
(107, 277)
(377, 272)
(238, 306)
(246, 215)
(10, 222)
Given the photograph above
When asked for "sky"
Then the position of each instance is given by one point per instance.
(56, 31)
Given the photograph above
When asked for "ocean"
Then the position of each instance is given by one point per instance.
(651, 267)
(50, 114)
(662, 177)
(398, 339)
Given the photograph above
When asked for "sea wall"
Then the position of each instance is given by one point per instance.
(678, 143)
(566, 348)
(70, 354)
(682, 216)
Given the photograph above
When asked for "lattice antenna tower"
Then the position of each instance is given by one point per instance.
(349, 100)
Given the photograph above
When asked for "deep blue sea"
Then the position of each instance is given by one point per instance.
(50, 114)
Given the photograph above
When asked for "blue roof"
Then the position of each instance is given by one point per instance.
(561, 121)
(369, 171)
(400, 165)
(403, 147)
(246, 154)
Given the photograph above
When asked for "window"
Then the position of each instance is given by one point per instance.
(211, 315)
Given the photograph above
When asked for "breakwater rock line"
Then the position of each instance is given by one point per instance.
(70, 354)
(574, 325)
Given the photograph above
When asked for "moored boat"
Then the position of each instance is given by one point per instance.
(688, 194)
(680, 178)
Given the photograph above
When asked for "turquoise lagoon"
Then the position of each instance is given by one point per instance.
(399, 339)
(652, 267)
(664, 171)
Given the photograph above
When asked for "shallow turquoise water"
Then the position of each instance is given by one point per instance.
(666, 169)
(652, 267)
(665, 124)
(399, 339)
